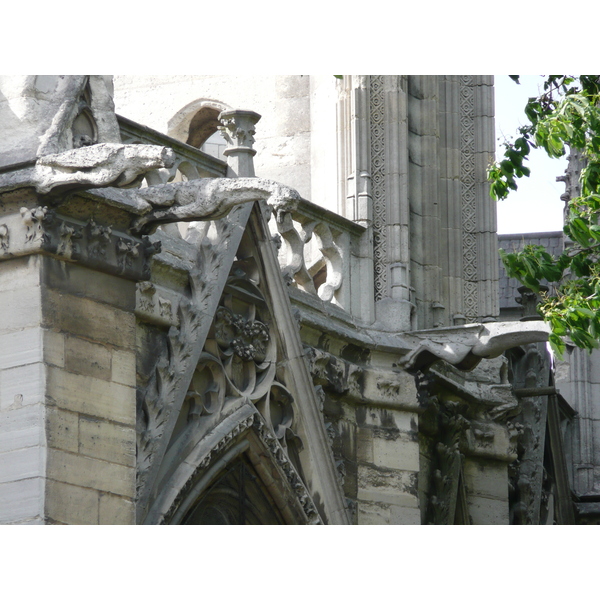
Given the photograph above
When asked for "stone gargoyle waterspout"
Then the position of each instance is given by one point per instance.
(465, 346)
(61, 132)
(202, 199)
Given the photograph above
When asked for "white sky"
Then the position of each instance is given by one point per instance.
(536, 205)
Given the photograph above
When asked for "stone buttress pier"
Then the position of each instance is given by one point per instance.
(68, 360)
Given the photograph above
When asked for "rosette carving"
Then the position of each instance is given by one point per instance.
(247, 339)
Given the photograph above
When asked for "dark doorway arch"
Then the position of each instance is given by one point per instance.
(236, 497)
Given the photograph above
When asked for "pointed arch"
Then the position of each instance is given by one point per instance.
(203, 478)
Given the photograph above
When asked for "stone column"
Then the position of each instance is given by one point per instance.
(238, 131)
(68, 370)
(425, 223)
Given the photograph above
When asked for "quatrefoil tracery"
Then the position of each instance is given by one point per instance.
(240, 361)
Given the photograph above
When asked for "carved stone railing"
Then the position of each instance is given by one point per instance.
(190, 163)
(319, 249)
(318, 252)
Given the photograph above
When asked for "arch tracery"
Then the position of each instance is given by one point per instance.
(233, 454)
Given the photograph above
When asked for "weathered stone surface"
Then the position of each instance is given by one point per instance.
(19, 308)
(487, 511)
(20, 348)
(115, 510)
(21, 428)
(123, 367)
(396, 453)
(21, 500)
(400, 515)
(86, 358)
(107, 441)
(70, 504)
(23, 463)
(90, 473)
(483, 478)
(21, 386)
(54, 348)
(89, 319)
(80, 281)
(370, 513)
(103, 399)
(62, 429)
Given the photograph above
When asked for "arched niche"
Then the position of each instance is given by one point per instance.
(196, 122)
(237, 475)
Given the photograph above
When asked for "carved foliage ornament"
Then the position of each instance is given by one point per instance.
(238, 365)
(156, 399)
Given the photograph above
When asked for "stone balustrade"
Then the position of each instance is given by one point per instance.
(190, 163)
(318, 251)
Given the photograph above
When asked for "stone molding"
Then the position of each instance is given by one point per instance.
(216, 444)
(41, 229)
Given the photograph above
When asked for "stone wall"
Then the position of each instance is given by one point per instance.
(68, 383)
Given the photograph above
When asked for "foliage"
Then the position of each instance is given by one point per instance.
(566, 115)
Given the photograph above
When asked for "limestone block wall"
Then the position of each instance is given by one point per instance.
(67, 364)
(486, 482)
(22, 380)
(89, 338)
(67, 394)
(387, 462)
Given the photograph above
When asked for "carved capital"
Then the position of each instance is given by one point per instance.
(238, 130)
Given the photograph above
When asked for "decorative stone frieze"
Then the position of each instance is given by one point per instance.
(378, 175)
(41, 229)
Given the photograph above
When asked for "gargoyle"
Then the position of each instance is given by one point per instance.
(69, 137)
(99, 165)
(465, 346)
(203, 200)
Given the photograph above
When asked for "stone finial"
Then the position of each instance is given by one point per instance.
(238, 131)
(529, 301)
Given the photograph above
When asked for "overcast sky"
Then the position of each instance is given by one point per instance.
(536, 205)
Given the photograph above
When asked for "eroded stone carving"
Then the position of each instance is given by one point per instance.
(204, 199)
(4, 238)
(246, 338)
(99, 237)
(33, 219)
(333, 373)
(66, 245)
(99, 165)
(71, 134)
(465, 346)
